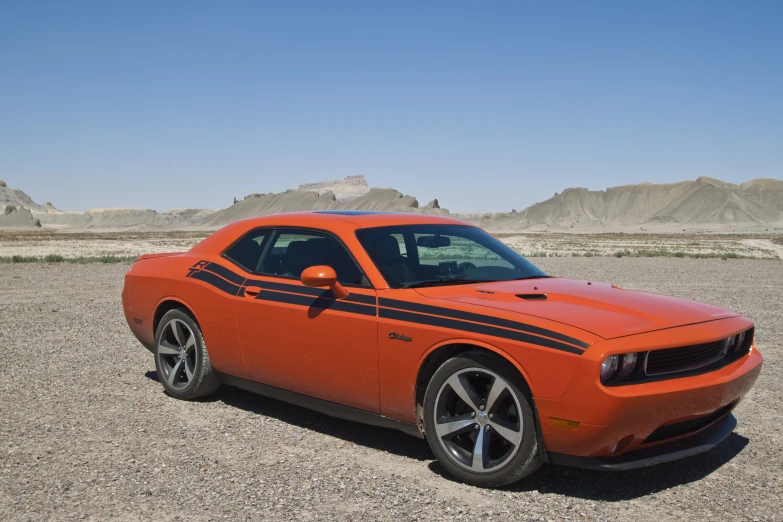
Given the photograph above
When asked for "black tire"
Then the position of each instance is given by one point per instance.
(454, 425)
(181, 359)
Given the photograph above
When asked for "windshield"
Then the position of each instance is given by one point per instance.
(427, 255)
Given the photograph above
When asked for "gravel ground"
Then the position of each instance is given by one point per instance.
(86, 432)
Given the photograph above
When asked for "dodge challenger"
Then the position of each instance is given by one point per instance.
(433, 327)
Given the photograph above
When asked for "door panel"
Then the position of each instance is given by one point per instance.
(302, 339)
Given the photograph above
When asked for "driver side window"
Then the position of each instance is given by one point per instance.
(292, 251)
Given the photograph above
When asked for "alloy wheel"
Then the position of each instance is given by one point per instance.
(478, 420)
(177, 354)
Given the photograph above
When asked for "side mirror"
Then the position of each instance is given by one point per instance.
(322, 275)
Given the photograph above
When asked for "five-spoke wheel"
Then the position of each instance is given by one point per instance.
(479, 422)
(177, 353)
(181, 357)
(477, 419)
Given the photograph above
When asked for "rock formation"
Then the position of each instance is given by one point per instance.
(345, 189)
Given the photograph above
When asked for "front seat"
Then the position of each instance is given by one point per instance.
(296, 259)
(391, 262)
(327, 251)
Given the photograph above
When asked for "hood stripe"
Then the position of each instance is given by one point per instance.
(482, 329)
(479, 318)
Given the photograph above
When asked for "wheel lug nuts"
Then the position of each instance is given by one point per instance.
(473, 414)
(491, 415)
(475, 426)
(481, 407)
(487, 428)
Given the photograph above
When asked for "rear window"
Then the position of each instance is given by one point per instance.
(247, 251)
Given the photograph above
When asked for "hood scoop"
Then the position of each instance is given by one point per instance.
(532, 297)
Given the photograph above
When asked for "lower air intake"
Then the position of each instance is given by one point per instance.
(683, 428)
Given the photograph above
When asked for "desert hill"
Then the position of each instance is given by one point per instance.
(388, 200)
(703, 204)
(123, 218)
(16, 198)
(766, 192)
(12, 217)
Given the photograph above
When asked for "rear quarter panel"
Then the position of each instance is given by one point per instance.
(151, 282)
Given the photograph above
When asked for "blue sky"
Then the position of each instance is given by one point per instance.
(487, 106)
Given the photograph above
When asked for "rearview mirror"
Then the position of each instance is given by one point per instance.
(433, 241)
(321, 276)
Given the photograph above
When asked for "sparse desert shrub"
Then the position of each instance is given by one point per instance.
(57, 258)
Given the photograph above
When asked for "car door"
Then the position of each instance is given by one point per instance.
(301, 338)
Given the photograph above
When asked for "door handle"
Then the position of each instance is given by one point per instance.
(252, 291)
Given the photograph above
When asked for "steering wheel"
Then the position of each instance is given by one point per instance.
(464, 266)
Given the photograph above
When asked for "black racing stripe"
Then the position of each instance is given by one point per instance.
(319, 302)
(488, 319)
(316, 292)
(453, 324)
(237, 279)
(225, 273)
(360, 298)
(217, 282)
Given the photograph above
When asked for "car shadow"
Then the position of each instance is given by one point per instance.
(608, 486)
(614, 486)
(382, 439)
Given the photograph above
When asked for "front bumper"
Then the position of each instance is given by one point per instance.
(616, 423)
(702, 441)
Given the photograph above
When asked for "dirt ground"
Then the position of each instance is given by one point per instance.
(86, 431)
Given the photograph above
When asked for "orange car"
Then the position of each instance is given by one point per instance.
(433, 327)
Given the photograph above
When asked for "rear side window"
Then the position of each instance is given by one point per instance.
(247, 251)
(292, 251)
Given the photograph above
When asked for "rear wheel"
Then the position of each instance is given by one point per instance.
(181, 357)
(478, 421)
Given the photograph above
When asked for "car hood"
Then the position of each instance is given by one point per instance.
(599, 308)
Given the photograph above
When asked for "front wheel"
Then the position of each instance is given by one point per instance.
(181, 357)
(479, 423)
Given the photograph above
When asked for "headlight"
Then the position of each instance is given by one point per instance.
(608, 367)
(621, 367)
(628, 364)
(731, 343)
(740, 340)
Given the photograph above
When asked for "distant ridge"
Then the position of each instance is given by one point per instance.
(388, 200)
(703, 204)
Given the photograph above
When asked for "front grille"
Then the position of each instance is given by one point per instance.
(686, 358)
(683, 428)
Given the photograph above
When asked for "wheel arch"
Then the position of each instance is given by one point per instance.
(440, 353)
(167, 304)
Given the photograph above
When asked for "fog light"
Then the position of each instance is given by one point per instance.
(621, 445)
(608, 367)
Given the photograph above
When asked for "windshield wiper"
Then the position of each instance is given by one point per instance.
(441, 282)
(530, 277)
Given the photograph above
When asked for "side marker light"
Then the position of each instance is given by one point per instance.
(563, 423)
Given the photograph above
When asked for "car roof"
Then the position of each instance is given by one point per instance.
(340, 221)
(358, 218)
